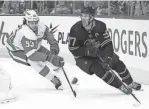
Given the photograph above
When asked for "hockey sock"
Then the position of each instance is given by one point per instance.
(110, 79)
(105, 75)
(45, 72)
(123, 73)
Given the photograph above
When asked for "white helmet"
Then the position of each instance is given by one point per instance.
(31, 15)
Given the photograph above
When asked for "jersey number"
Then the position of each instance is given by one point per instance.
(29, 44)
(72, 41)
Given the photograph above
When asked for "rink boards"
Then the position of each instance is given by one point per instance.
(130, 39)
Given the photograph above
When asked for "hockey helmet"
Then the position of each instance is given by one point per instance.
(31, 15)
(88, 10)
(87, 17)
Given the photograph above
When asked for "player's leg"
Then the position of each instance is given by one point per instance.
(73, 79)
(84, 64)
(6, 94)
(44, 71)
(124, 73)
(108, 77)
(41, 68)
(91, 66)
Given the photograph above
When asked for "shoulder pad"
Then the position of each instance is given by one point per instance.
(41, 26)
(100, 26)
(77, 26)
(19, 33)
(28, 33)
(100, 23)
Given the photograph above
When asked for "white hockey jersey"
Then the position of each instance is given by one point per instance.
(27, 40)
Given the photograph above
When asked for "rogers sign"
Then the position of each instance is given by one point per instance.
(129, 42)
(122, 41)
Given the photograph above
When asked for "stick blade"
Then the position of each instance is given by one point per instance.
(74, 93)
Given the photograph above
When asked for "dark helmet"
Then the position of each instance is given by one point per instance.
(88, 10)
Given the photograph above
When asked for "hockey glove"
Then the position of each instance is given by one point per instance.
(54, 48)
(91, 51)
(56, 60)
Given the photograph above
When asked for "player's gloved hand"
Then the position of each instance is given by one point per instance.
(54, 48)
(91, 51)
(56, 60)
(107, 61)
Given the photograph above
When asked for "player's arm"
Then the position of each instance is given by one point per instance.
(54, 47)
(106, 43)
(74, 45)
(31, 50)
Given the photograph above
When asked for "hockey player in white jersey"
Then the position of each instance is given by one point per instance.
(25, 47)
(6, 93)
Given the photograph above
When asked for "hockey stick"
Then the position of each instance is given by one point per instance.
(74, 93)
(110, 69)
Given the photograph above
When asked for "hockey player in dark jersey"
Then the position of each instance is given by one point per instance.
(90, 37)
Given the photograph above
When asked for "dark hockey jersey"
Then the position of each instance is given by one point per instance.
(79, 39)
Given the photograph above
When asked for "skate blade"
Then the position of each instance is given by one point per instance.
(8, 100)
(60, 88)
(77, 84)
(138, 90)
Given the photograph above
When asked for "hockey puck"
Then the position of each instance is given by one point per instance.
(74, 81)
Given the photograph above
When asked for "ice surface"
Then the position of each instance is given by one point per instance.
(36, 92)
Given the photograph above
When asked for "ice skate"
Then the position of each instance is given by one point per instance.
(135, 86)
(57, 83)
(8, 97)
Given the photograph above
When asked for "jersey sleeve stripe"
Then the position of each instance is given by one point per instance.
(105, 42)
(76, 57)
(73, 48)
(31, 52)
(17, 58)
(106, 36)
(10, 47)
